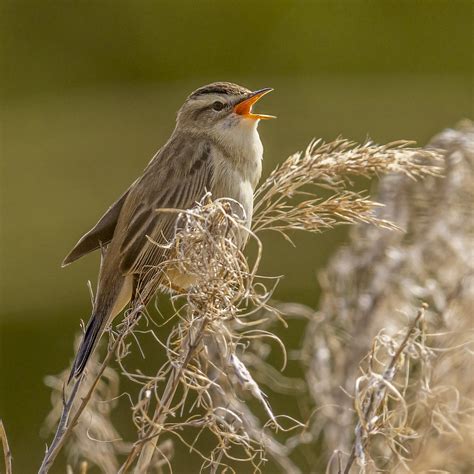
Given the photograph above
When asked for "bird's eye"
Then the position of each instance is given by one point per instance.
(218, 105)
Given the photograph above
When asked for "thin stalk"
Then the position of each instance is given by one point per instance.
(375, 402)
(64, 428)
(7, 454)
(145, 448)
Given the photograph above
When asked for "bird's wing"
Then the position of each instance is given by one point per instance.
(176, 181)
(100, 235)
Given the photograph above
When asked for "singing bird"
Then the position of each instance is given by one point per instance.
(215, 147)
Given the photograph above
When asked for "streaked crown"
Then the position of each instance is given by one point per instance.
(221, 88)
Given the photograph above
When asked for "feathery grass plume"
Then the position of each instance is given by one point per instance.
(376, 283)
(221, 336)
(330, 166)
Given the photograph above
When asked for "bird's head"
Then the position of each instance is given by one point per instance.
(222, 110)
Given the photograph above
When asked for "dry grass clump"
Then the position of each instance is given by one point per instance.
(413, 403)
(219, 344)
(226, 293)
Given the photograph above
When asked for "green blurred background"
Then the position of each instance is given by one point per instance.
(89, 91)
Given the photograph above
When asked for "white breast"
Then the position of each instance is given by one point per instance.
(230, 183)
(238, 164)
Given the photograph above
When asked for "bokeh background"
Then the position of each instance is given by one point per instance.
(89, 91)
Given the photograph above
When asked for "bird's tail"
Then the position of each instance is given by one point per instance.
(107, 305)
(94, 330)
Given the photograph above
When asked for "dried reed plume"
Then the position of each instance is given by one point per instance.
(214, 344)
(408, 406)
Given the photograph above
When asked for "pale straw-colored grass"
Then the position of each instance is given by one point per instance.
(223, 329)
(412, 413)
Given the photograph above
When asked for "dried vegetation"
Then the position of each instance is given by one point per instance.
(387, 383)
(411, 397)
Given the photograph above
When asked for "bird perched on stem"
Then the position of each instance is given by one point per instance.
(215, 147)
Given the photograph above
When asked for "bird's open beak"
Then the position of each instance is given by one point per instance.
(244, 107)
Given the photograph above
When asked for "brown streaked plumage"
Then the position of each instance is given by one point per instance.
(215, 147)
